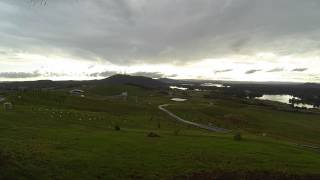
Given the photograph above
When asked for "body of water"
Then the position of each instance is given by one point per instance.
(177, 87)
(278, 98)
(214, 85)
(178, 99)
(285, 99)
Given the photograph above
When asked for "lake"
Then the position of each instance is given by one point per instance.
(284, 99)
(177, 87)
(278, 98)
(178, 99)
(214, 85)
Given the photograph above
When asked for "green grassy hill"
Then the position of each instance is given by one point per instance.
(294, 126)
(52, 135)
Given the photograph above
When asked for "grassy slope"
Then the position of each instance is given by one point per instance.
(117, 90)
(295, 126)
(62, 137)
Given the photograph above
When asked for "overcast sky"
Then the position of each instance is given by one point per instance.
(248, 40)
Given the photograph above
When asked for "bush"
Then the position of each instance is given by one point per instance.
(117, 128)
(237, 136)
(152, 134)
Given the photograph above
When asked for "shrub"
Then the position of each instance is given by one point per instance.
(117, 128)
(152, 134)
(237, 136)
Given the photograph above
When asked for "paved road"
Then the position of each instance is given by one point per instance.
(209, 128)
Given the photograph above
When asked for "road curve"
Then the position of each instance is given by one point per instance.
(209, 128)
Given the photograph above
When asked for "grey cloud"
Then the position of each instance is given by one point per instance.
(16, 75)
(91, 66)
(252, 71)
(160, 31)
(146, 74)
(276, 70)
(3, 53)
(223, 71)
(149, 74)
(238, 44)
(94, 74)
(299, 69)
(53, 74)
(103, 74)
(172, 76)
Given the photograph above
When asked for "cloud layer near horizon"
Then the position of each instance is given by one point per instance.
(131, 32)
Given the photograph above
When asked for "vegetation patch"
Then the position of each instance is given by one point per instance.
(237, 136)
(248, 175)
(153, 135)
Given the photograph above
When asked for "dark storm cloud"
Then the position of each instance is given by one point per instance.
(159, 31)
(223, 71)
(252, 71)
(16, 75)
(276, 70)
(299, 69)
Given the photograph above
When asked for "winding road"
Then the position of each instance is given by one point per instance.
(209, 128)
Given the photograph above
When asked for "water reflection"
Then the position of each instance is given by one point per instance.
(285, 99)
(178, 99)
(279, 98)
(180, 88)
(214, 85)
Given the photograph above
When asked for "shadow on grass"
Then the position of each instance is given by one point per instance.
(248, 175)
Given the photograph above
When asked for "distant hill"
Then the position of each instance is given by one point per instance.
(310, 85)
(172, 81)
(28, 84)
(140, 81)
(41, 84)
(147, 82)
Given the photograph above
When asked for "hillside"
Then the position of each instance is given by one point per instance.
(53, 135)
(140, 81)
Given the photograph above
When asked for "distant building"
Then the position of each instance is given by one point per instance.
(77, 92)
(124, 95)
(7, 106)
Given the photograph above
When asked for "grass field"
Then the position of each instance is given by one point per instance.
(52, 135)
(294, 126)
